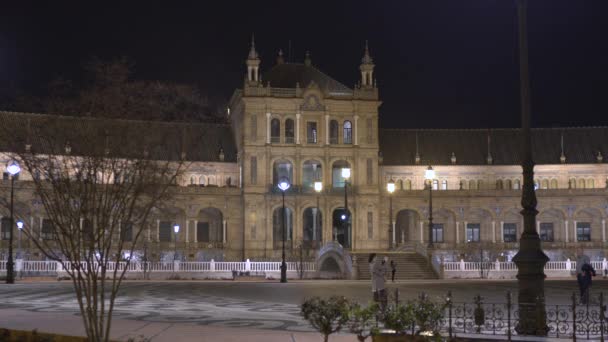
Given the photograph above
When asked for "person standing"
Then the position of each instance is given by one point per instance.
(580, 275)
(379, 274)
(393, 270)
(372, 261)
(587, 272)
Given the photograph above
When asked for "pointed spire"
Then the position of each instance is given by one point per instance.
(280, 59)
(253, 54)
(417, 157)
(599, 157)
(367, 59)
(489, 159)
(307, 60)
(453, 158)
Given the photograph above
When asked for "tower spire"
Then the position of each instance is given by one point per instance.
(367, 68)
(253, 63)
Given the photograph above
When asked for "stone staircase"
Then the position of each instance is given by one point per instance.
(410, 265)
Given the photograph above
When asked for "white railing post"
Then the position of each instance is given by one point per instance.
(19, 265)
(497, 263)
(176, 265)
(212, 266)
(59, 267)
(604, 265)
(248, 265)
(568, 264)
(461, 264)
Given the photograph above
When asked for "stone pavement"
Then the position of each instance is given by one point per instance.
(226, 310)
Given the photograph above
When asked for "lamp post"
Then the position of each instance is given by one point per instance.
(429, 175)
(318, 189)
(176, 230)
(12, 168)
(530, 259)
(20, 227)
(345, 216)
(283, 186)
(390, 187)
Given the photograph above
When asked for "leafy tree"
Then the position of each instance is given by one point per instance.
(362, 320)
(327, 316)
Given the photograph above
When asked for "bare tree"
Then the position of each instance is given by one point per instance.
(98, 181)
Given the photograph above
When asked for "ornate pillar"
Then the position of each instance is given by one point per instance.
(356, 127)
(195, 231)
(157, 230)
(268, 128)
(224, 225)
(574, 236)
(603, 230)
(566, 229)
(326, 129)
(298, 115)
(457, 232)
(493, 231)
(187, 230)
(502, 231)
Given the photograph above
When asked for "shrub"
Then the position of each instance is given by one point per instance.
(362, 320)
(327, 316)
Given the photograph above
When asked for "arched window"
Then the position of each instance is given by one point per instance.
(277, 226)
(192, 180)
(516, 184)
(544, 184)
(480, 184)
(211, 181)
(444, 184)
(399, 184)
(472, 184)
(311, 172)
(336, 173)
(348, 137)
(435, 184)
(282, 168)
(333, 132)
(408, 184)
(553, 184)
(572, 183)
(590, 183)
(201, 181)
(581, 183)
(499, 185)
(289, 132)
(508, 184)
(275, 130)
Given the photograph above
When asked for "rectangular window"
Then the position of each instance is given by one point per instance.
(438, 232)
(311, 132)
(254, 128)
(6, 228)
(164, 231)
(48, 233)
(546, 231)
(370, 225)
(126, 232)
(473, 232)
(509, 232)
(370, 171)
(583, 231)
(202, 232)
(370, 131)
(348, 134)
(254, 170)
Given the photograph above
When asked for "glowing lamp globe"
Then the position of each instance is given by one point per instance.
(390, 186)
(284, 184)
(318, 186)
(429, 174)
(346, 173)
(176, 228)
(20, 224)
(13, 168)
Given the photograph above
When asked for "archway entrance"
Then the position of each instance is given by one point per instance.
(405, 226)
(341, 223)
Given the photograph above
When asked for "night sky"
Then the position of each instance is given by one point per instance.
(439, 64)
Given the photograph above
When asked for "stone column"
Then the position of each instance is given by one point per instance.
(187, 230)
(393, 224)
(314, 225)
(493, 231)
(298, 115)
(326, 129)
(457, 232)
(603, 230)
(566, 229)
(502, 231)
(574, 236)
(356, 127)
(40, 236)
(421, 231)
(195, 231)
(224, 225)
(157, 230)
(268, 128)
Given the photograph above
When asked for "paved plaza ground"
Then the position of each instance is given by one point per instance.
(224, 310)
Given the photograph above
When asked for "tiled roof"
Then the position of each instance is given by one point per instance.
(164, 141)
(286, 75)
(470, 146)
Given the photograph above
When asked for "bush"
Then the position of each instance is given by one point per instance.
(362, 321)
(327, 316)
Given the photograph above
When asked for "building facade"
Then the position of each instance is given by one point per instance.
(296, 123)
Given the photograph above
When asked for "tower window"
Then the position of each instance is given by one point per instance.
(311, 132)
(348, 137)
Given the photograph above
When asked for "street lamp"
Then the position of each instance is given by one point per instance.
(318, 189)
(346, 176)
(429, 175)
(283, 186)
(20, 227)
(12, 168)
(176, 230)
(390, 187)
(530, 259)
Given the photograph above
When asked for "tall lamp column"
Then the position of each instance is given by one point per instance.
(429, 175)
(12, 168)
(283, 186)
(318, 189)
(346, 217)
(390, 187)
(176, 230)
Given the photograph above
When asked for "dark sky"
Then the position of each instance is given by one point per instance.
(439, 64)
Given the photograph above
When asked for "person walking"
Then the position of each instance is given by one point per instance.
(371, 261)
(587, 272)
(580, 276)
(379, 270)
(393, 270)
